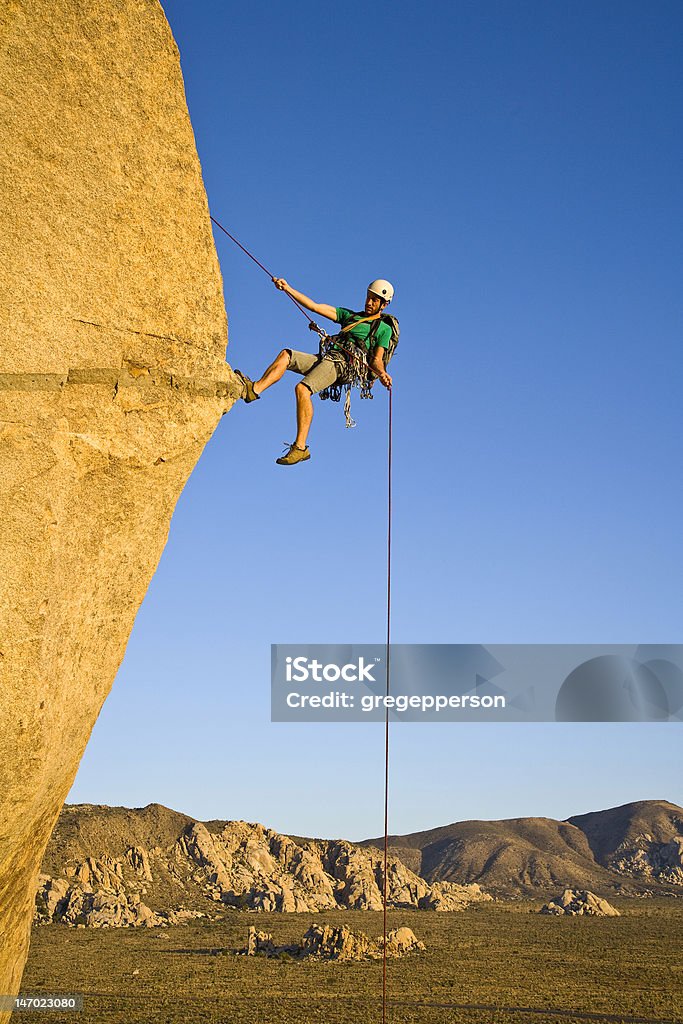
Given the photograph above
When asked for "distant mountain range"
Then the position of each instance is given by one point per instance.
(113, 866)
(632, 849)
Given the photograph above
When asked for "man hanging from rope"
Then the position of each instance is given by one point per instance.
(360, 333)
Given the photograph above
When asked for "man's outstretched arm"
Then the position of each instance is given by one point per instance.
(377, 366)
(319, 308)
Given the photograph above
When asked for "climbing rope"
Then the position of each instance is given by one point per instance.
(386, 727)
(311, 322)
(358, 373)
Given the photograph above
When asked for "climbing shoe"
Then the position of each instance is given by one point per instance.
(293, 455)
(249, 393)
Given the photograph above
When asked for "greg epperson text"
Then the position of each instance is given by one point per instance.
(402, 702)
(324, 686)
(303, 670)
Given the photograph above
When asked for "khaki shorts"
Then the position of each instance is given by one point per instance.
(318, 373)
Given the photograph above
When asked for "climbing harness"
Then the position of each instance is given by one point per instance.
(356, 371)
(353, 367)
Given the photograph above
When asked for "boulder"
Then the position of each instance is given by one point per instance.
(259, 943)
(451, 896)
(51, 898)
(60, 902)
(112, 379)
(401, 941)
(330, 943)
(327, 942)
(579, 901)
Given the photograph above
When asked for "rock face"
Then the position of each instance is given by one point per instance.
(112, 379)
(576, 902)
(56, 900)
(326, 942)
(252, 867)
(241, 865)
(642, 840)
(645, 858)
(99, 905)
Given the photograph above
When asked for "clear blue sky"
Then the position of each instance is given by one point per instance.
(515, 169)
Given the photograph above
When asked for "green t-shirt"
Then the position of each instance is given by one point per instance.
(361, 335)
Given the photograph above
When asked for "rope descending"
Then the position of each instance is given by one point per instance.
(386, 721)
(355, 372)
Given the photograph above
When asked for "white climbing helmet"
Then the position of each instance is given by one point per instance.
(384, 289)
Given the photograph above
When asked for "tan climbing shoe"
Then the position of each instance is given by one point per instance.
(293, 455)
(249, 393)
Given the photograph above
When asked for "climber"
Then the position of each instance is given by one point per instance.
(363, 331)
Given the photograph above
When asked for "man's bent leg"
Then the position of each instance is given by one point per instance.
(318, 374)
(304, 414)
(321, 374)
(275, 371)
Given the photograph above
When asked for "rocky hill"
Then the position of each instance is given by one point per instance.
(643, 840)
(112, 866)
(634, 849)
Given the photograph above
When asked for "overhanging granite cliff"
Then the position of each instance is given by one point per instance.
(112, 379)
